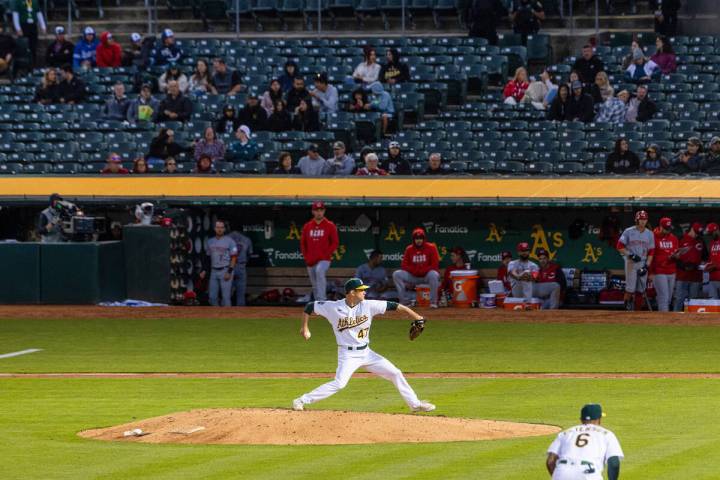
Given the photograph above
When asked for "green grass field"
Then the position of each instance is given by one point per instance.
(669, 428)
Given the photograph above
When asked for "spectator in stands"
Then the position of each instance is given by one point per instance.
(420, 265)
(654, 161)
(245, 149)
(689, 160)
(144, 108)
(614, 109)
(285, 166)
(279, 120)
(371, 167)
(60, 51)
(538, 93)
(664, 55)
(666, 19)
(360, 102)
(228, 122)
(641, 70)
(324, 96)
(7, 52)
(200, 81)
(48, 91)
(108, 53)
(272, 95)
(174, 106)
(373, 274)
(588, 66)
(395, 164)
(297, 93)
(140, 166)
(580, 105)
(290, 71)
(628, 59)
(640, 107)
(132, 55)
(601, 90)
(173, 72)
(209, 145)
(312, 164)
(483, 17)
(114, 165)
(368, 70)
(458, 261)
(341, 163)
(526, 16)
(550, 281)
(85, 50)
(711, 162)
(305, 118)
(435, 165)
(502, 272)
(559, 108)
(168, 52)
(522, 273)
(226, 81)
(205, 165)
(27, 15)
(394, 71)
(252, 114)
(622, 160)
(72, 89)
(514, 90)
(170, 165)
(318, 242)
(382, 102)
(162, 147)
(116, 107)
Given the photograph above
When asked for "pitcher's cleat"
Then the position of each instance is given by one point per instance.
(423, 406)
(298, 405)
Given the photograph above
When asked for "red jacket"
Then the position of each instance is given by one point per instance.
(108, 54)
(551, 273)
(715, 260)
(419, 261)
(515, 89)
(318, 241)
(687, 263)
(503, 277)
(665, 246)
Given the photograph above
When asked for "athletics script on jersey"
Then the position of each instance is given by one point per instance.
(349, 322)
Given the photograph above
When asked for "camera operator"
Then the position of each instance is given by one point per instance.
(526, 16)
(50, 221)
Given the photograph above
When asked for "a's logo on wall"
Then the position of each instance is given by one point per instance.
(293, 233)
(592, 254)
(495, 234)
(540, 240)
(395, 233)
(339, 253)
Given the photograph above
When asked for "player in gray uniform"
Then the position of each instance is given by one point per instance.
(374, 275)
(49, 222)
(245, 249)
(520, 273)
(222, 252)
(636, 245)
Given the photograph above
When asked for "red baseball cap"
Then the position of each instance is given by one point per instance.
(542, 251)
(505, 254)
(666, 222)
(523, 246)
(318, 205)
(641, 215)
(697, 227)
(418, 233)
(711, 228)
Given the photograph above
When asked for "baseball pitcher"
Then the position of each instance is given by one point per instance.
(581, 452)
(351, 319)
(637, 246)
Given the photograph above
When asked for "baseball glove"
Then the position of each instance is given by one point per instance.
(416, 328)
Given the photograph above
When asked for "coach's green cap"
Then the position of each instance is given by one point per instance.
(355, 284)
(591, 411)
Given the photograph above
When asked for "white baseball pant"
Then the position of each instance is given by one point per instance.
(401, 278)
(522, 289)
(664, 286)
(634, 282)
(349, 361)
(574, 472)
(317, 279)
(550, 292)
(714, 288)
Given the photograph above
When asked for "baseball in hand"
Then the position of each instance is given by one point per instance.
(306, 334)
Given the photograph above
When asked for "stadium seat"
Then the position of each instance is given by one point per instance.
(539, 168)
(568, 168)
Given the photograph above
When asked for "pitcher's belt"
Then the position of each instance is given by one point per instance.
(583, 463)
(361, 347)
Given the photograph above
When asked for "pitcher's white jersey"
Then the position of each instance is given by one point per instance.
(351, 325)
(587, 443)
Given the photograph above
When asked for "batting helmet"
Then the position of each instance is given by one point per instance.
(641, 215)
(711, 228)
(666, 222)
(523, 246)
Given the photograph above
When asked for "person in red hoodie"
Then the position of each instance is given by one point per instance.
(502, 273)
(108, 52)
(713, 265)
(550, 281)
(318, 242)
(420, 264)
(691, 253)
(664, 266)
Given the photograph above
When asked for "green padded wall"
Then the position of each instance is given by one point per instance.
(147, 263)
(21, 282)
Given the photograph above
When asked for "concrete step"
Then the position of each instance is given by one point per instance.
(115, 14)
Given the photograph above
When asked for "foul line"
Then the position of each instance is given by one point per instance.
(438, 375)
(21, 352)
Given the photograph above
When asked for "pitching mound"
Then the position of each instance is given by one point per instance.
(263, 426)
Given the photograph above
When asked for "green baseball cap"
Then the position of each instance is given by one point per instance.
(355, 284)
(591, 411)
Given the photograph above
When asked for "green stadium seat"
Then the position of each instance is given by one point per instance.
(539, 168)
(538, 48)
(482, 167)
(509, 39)
(509, 167)
(569, 168)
